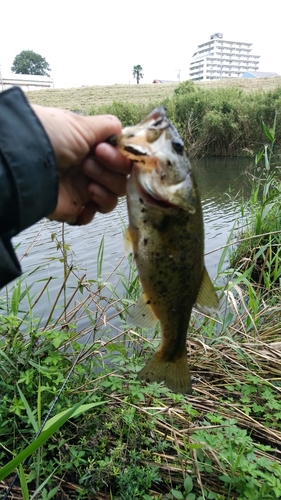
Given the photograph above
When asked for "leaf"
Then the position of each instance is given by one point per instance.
(188, 484)
(28, 410)
(225, 250)
(4, 355)
(258, 157)
(23, 483)
(48, 431)
(100, 258)
(177, 494)
(40, 488)
(267, 132)
(190, 496)
(195, 446)
(81, 409)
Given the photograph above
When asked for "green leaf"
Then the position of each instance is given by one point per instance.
(23, 483)
(188, 484)
(4, 355)
(44, 436)
(177, 494)
(195, 446)
(54, 490)
(267, 132)
(190, 496)
(80, 409)
(28, 410)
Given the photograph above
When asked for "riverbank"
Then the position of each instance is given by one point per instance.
(132, 440)
(86, 98)
(138, 440)
(219, 120)
(135, 440)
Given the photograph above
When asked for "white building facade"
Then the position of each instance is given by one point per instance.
(25, 82)
(219, 58)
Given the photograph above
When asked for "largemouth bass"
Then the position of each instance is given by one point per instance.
(167, 236)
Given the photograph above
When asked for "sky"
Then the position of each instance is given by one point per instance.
(98, 42)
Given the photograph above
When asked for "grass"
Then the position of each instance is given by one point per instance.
(138, 440)
(122, 439)
(86, 98)
(221, 118)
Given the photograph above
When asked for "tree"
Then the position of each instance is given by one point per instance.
(28, 62)
(137, 72)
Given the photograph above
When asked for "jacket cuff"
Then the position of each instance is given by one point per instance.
(9, 265)
(30, 158)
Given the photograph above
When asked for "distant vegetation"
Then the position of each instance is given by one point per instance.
(222, 119)
(27, 62)
(137, 72)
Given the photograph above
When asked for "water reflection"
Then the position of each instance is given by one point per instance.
(223, 183)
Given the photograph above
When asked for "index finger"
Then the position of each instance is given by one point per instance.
(100, 127)
(112, 159)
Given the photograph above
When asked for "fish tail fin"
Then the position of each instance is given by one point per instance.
(174, 373)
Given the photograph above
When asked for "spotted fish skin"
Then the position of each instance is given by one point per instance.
(166, 232)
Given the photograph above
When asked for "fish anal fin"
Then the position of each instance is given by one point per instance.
(174, 373)
(142, 314)
(207, 300)
(128, 241)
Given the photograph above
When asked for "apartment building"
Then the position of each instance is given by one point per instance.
(219, 58)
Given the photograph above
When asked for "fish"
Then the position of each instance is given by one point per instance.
(166, 235)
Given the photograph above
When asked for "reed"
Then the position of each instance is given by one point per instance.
(76, 423)
(129, 439)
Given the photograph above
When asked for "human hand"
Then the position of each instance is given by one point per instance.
(92, 173)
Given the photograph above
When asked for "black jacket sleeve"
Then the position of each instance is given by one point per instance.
(28, 175)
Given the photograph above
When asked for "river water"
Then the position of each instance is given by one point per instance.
(222, 184)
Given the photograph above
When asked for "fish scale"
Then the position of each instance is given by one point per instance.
(167, 236)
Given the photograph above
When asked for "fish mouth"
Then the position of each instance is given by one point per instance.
(150, 196)
(126, 145)
(174, 196)
(156, 201)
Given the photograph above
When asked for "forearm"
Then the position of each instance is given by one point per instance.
(28, 175)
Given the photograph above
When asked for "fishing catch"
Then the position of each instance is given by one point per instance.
(167, 237)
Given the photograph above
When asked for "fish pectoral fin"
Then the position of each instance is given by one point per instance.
(207, 300)
(142, 314)
(128, 241)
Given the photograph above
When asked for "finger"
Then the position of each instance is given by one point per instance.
(99, 128)
(104, 199)
(112, 159)
(87, 214)
(112, 181)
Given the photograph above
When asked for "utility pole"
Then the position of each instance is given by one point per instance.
(179, 74)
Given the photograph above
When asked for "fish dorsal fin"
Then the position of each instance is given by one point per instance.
(142, 314)
(128, 241)
(207, 300)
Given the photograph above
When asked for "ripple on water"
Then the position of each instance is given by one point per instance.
(216, 179)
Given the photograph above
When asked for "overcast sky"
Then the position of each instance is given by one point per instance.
(99, 41)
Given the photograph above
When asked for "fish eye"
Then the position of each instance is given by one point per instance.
(153, 134)
(178, 146)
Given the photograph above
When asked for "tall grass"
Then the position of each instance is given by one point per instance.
(220, 119)
(212, 122)
(138, 440)
(76, 423)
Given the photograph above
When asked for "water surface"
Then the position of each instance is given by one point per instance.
(222, 184)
